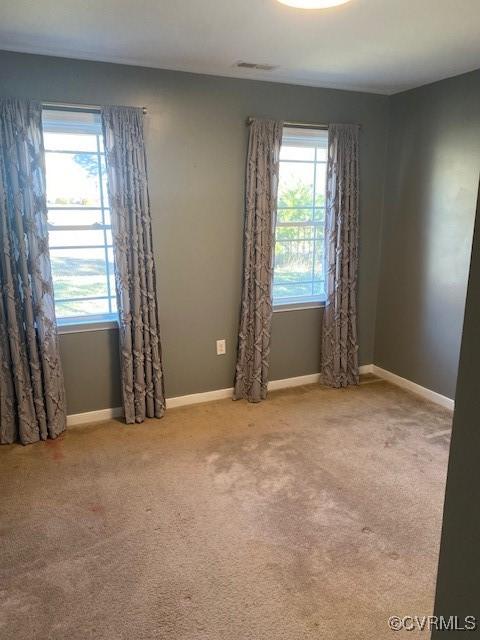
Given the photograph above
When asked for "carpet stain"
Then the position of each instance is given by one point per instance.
(55, 447)
(97, 508)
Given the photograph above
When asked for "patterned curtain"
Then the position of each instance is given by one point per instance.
(339, 338)
(140, 351)
(251, 377)
(32, 394)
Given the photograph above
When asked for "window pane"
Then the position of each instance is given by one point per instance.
(320, 199)
(322, 154)
(69, 141)
(78, 273)
(294, 215)
(291, 290)
(111, 270)
(290, 152)
(319, 288)
(112, 283)
(76, 238)
(81, 308)
(103, 168)
(293, 261)
(295, 234)
(318, 265)
(70, 217)
(319, 236)
(295, 184)
(72, 179)
(320, 184)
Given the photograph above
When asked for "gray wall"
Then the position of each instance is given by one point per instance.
(458, 581)
(196, 146)
(430, 196)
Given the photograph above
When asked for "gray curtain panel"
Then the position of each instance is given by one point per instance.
(263, 158)
(339, 338)
(32, 394)
(140, 351)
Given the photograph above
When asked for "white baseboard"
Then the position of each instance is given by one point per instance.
(221, 394)
(365, 368)
(273, 385)
(197, 398)
(428, 394)
(312, 378)
(93, 416)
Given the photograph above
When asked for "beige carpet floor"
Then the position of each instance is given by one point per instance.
(315, 514)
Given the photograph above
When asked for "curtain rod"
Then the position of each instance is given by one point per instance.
(298, 125)
(73, 106)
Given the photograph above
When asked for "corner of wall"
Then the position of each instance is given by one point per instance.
(386, 165)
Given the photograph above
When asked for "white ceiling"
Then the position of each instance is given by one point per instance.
(382, 46)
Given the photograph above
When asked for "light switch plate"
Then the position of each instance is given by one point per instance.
(221, 347)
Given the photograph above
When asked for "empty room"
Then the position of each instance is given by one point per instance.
(238, 319)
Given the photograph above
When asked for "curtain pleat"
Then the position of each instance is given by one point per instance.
(251, 377)
(140, 350)
(339, 335)
(32, 401)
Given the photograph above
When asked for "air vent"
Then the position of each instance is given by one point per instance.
(256, 65)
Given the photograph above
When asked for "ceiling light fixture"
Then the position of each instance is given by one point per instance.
(313, 4)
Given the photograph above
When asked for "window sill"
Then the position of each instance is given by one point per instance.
(298, 306)
(83, 327)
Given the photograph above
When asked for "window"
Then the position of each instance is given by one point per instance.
(299, 274)
(80, 236)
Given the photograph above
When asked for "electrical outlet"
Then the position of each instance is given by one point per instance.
(221, 347)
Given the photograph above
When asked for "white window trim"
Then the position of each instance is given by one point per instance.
(305, 302)
(75, 325)
(282, 307)
(92, 322)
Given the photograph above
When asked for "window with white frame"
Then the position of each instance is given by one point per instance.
(80, 236)
(299, 272)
